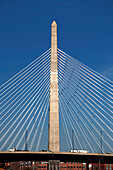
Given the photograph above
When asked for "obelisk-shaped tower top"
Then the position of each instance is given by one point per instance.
(54, 40)
(54, 23)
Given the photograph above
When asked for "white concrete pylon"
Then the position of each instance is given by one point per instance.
(53, 141)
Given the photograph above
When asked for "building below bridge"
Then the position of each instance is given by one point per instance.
(63, 166)
(74, 166)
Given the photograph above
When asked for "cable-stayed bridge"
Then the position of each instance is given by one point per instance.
(84, 106)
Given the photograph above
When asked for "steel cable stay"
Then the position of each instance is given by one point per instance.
(88, 97)
(89, 129)
(66, 124)
(85, 82)
(63, 74)
(28, 81)
(63, 125)
(87, 89)
(19, 129)
(71, 111)
(46, 109)
(95, 85)
(38, 85)
(61, 63)
(95, 103)
(89, 81)
(26, 92)
(26, 76)
(12, 142)
(23, 111)
(82, 72)
(73, 107)
(34, 136)
(39, 103)
(98, 125)
(72, 86)
(95, 90)
(95, 121)
(23, 89)
(21, 93)
(45, 72)
(68, 137)
(82, 128)
(23, 106)
(59, 83)
(33, 126)
(23, 70)
(65, 82)
(84, 133)
(85, 104)
(37, 118)
(83, 75)
(90, 86)
(41, 131)
(72, 120)
(89, 69)
(72, 126)
(107, 144)
(75, 65)
(16, 119)
(31, 131)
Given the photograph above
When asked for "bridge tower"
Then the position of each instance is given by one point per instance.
(53, 141)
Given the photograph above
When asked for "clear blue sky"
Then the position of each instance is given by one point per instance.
(85, 31)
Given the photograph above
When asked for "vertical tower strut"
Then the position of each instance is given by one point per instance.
(53, 143)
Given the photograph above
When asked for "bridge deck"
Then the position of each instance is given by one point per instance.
(6, 156)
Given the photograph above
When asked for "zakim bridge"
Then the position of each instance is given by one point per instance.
(58, 104)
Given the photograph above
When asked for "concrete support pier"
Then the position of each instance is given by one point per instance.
(53, 142)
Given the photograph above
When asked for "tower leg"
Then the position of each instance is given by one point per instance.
(54, 165)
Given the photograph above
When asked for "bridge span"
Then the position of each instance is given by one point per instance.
(7, 156)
